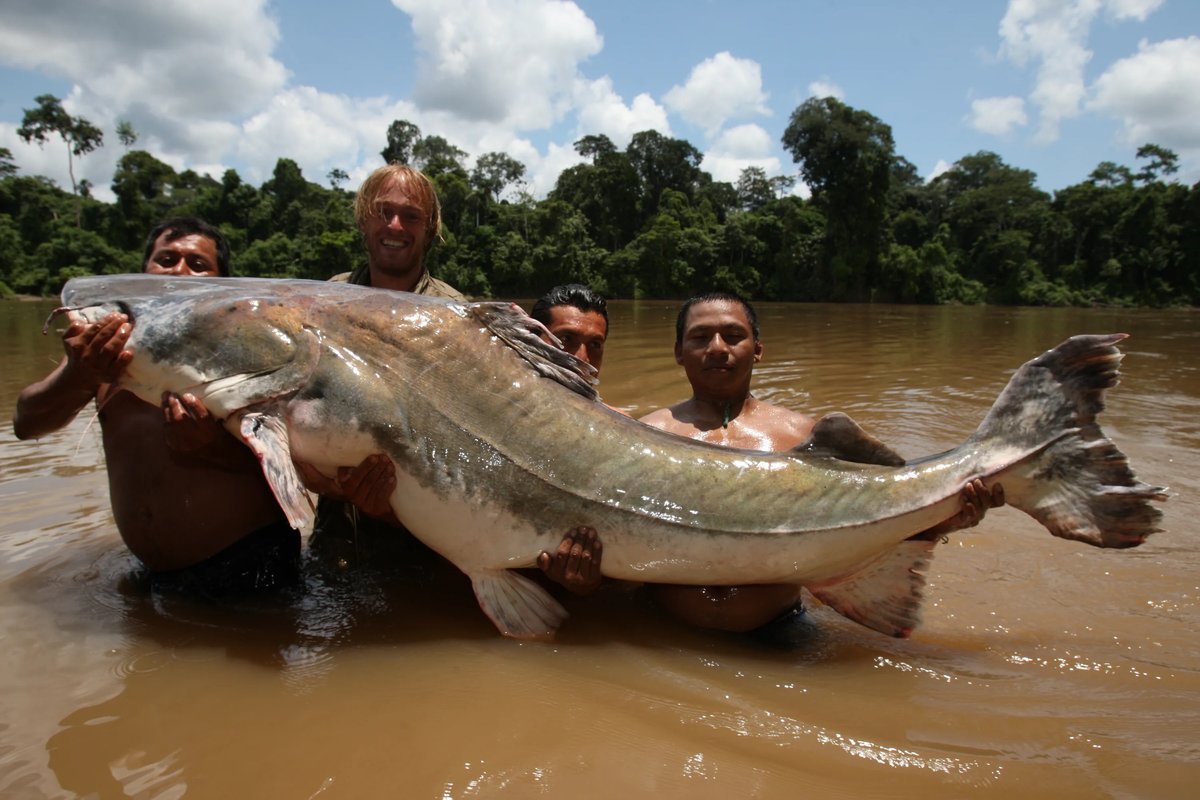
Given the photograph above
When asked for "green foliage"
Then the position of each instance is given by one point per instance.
(648, 222)
(401, 136)
(49, 118)
(846, 157)
(126, 135)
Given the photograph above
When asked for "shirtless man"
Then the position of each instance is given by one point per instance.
(717, 344)
(189, 500)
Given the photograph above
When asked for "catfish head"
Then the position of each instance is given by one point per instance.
(232, 342)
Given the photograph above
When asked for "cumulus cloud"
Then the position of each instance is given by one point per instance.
(940, 167)
(511, 63)
(1053, 35)
(719, 89)
(122, 54)
(602, 111)
(1154, 94)
(997, 115)
(737, 148)
(826, 88)
(129, 61)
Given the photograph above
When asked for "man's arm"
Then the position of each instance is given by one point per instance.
(95, 356)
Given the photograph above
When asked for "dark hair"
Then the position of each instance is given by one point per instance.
(575, 295)
(178, 227)
(715, 297)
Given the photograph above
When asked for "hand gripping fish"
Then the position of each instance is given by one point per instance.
(500, 445)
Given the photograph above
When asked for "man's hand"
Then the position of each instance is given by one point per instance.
(976, 501)
(576, 562)
(189, 426)
(96, 351)
(368, 486)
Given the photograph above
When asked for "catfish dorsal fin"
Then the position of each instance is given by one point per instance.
(520, 332)
(838, 436)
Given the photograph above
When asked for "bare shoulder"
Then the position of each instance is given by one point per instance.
(674, 419)
(784, 427)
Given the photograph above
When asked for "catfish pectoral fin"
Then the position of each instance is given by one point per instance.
(886, 593)
(266, 435)
(518, 606)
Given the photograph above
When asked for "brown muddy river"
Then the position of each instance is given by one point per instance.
(1044, 668)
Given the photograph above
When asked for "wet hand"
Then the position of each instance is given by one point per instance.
(189, 425)
(96, 351)
(576, 562)
(369, 486)
(976, 501)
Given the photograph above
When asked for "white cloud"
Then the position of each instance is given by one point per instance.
(940, 167)
(1053, 34)
(1154, 94)
(719, 89)
(317, 130)
(737, 148)
(544, 171)
(826, 88)
(132, 52)
(602, 111)
(997, 115)
(129, 61)
(510, 63)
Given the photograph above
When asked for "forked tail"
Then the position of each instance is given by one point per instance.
(1080, 486)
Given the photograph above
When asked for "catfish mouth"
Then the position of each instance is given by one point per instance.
(89, 314)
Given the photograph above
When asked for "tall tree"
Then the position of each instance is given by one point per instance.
(663, 163)
(1160, 162)
(50, 118)
(126, 134)
(782, 185)
(337, 177)
(594, 146)
(754, 189)
(435, 156)
(494, 172)
(402, 136)
(7, 167)
(845, 156)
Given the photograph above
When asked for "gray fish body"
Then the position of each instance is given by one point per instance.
(500, 447)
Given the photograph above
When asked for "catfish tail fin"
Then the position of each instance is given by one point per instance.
(1079, 485)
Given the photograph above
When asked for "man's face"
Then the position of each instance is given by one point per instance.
(582, 333)
(396, 233)
(718, 350)
(188, 256)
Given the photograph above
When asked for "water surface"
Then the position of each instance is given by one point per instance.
(1044, 668)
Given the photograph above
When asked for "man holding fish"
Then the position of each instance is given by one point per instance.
(190, 500)
(717, 344)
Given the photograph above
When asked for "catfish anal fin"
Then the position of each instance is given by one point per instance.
(516, 605)
(885, 594)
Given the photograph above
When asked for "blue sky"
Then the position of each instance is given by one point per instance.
(1053, 86)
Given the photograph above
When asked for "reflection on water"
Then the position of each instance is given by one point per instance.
(1044, 667)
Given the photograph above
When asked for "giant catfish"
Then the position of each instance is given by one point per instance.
(500, 445)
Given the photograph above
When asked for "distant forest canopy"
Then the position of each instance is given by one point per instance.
(647, 222)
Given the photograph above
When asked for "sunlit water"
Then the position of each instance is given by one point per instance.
(1044, 668)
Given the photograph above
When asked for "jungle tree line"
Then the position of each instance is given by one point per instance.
(648, 222)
